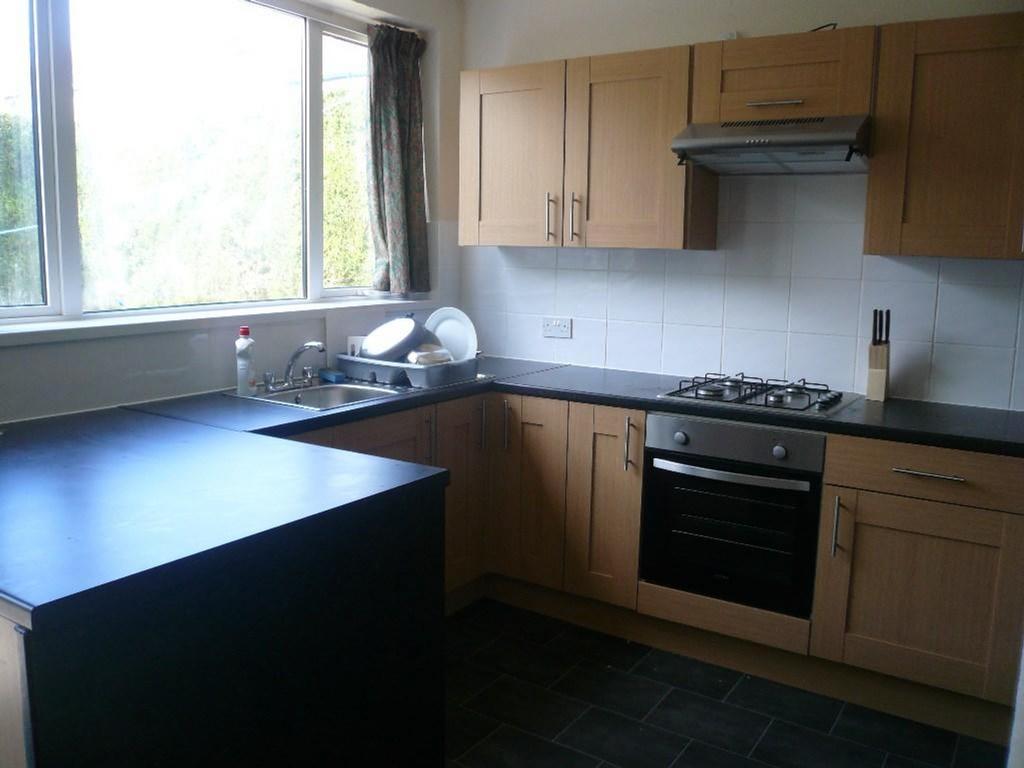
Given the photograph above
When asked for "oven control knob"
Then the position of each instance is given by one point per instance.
(779, 451)
(681, 437)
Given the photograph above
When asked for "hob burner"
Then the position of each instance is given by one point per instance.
(740, 389)
(711, 390)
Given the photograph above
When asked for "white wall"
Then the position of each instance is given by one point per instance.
(788, 293)
(500, 32)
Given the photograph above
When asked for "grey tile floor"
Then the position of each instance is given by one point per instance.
(527, 690)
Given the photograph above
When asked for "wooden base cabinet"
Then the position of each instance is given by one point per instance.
(603, 497)
(460, 450)
(405, 435)
(526, 447)
(921, 590)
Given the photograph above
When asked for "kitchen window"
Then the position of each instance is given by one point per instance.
(191, 153)
(22, 270)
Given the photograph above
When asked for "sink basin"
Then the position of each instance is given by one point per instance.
(325, 396)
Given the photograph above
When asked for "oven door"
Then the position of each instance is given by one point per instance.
(738, 532)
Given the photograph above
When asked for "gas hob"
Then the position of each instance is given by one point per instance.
(743, 390)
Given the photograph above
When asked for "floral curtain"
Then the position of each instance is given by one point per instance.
(398, 220)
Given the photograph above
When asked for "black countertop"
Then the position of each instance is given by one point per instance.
(989, 430)
(92, 498)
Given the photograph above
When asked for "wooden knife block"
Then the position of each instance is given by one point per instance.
(878, 372)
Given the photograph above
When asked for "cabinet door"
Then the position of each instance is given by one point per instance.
(623, 186)
(460, 450)
(917, 589)
(947, 161)
(602, 528)
(811, 74)
(543, 426)
(503, 446)
(406, 435)
(511, 138)
(323, 437)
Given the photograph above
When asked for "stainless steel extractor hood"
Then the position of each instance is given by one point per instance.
(789, 145)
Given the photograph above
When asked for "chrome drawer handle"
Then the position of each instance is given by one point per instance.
(930, 475)
(835, 527)
(776, 103)
(625, 447)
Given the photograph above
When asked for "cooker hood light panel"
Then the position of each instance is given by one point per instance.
(802, 145)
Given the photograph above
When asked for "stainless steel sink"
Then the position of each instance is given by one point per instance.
(324, 396)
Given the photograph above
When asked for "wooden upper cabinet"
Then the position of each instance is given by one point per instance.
(623, 186)
(811, 74)
(511, 137)
(603, 497)
(947, 167)
(921, 590)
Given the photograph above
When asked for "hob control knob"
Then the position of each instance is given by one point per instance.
(681, 437)
(779, 452)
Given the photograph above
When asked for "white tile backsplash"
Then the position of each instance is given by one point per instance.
(758, 248)
(748, 351)
(691, 349)
(787, 294)
(634, 346)
(757, 302)
(912, 305)
(828, 249)
(819, 305)
(694, 299)
(984, 315)
(581, 293)
(971, 375)
(824, 359)
(636, 296)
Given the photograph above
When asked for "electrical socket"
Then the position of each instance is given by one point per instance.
(557, 328)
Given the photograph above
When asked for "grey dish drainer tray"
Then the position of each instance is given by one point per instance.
(406, 374)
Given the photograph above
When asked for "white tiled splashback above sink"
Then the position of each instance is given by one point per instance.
(788, 293)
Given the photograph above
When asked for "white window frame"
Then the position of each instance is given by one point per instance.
(55, 147)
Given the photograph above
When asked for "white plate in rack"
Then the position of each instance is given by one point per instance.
(455, 331)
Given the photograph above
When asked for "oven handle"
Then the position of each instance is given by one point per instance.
(732, 477)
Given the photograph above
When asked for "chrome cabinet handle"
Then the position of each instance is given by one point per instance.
(483, 423)
(547, 216)
(835, 527)
(572, 216)
(776, 103)
(930, 475)
(625, 448)
(504, 438)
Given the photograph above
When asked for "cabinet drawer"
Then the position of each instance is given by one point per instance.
(941, 474)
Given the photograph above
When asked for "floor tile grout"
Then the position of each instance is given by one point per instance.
(750, 754)
(572, 723)
(657, 704)
(740, 679)
(839, 714)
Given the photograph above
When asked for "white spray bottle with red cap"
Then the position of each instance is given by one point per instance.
(244, 359)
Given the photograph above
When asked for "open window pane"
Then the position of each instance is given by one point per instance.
(347, 259)
(188, 129)
(21, 263)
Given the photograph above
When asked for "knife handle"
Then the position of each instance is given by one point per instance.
(888, 318)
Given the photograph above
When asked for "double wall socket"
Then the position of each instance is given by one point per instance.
(557, 328)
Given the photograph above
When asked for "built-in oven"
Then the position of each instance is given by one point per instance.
(730, 510)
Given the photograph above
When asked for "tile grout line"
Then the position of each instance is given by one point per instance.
(956, 749)
(757, 743)
(836, 721)
(677, 758)
(639, 661)
(740, 679)
(657, 704)
(572, 722)
(560, 678)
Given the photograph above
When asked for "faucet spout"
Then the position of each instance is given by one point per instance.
(317, 346)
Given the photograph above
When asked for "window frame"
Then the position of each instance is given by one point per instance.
(58, 184)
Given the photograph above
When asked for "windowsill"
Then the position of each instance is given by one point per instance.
(56, 329)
